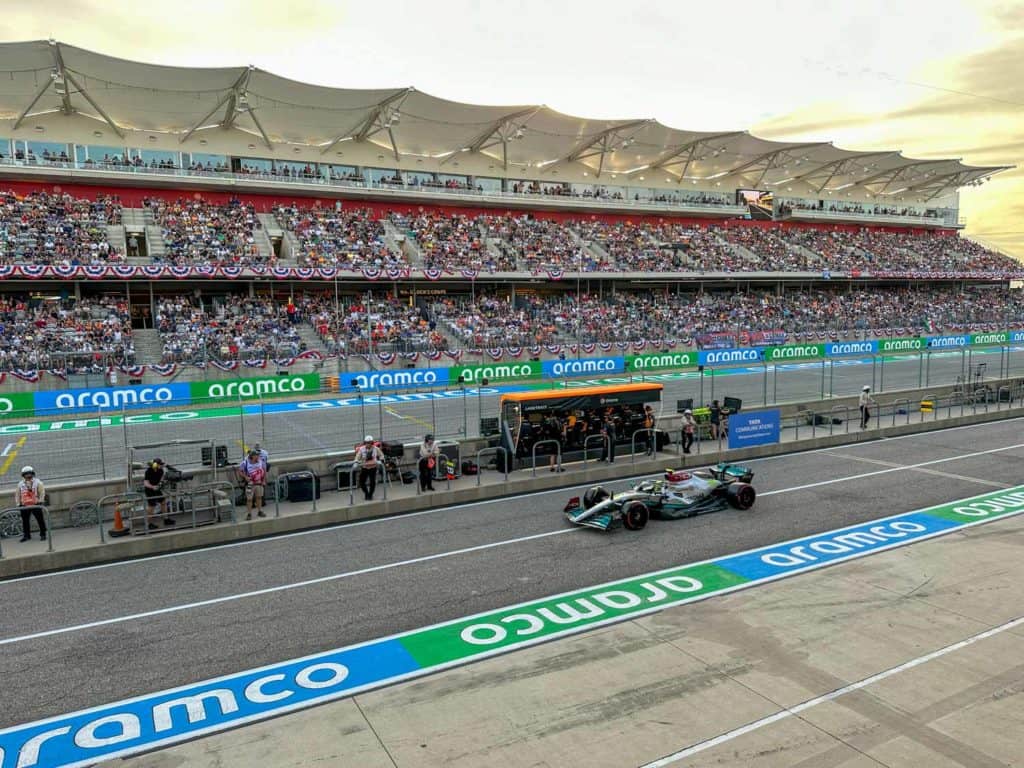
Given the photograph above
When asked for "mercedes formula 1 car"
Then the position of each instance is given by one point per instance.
(677, 494)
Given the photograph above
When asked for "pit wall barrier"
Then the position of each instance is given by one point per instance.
(799, 416)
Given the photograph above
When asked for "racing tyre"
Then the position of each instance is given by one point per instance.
(594, 495)
(635, 515)
(741, 495)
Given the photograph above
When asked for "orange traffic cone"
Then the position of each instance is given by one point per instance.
(119, 528)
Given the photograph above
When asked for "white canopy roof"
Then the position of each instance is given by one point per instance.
(44, 77)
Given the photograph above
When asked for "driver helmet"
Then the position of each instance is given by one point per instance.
(27, 471)
(866, 388)
(368, 439)
(688, 412)
(677, 476)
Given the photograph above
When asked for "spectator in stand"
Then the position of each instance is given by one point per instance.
(348, 239)
(41, 228)
(197, 232)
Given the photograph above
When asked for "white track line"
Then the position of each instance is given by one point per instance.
(436, 556)
(284, 587)
(809, 703)
(409, 515)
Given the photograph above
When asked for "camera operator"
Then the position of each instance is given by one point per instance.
(30, 495)
(153, 489)
(253, 473)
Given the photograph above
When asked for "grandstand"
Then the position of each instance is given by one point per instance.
(156, 216)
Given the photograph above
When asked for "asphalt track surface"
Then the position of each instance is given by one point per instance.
(81, 454)
(82, 638)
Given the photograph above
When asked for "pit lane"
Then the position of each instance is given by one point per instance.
(339, 586)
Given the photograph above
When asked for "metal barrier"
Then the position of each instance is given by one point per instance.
(895, 403)
(652, 433)
(443, 456)
(216, 491)
(299, 473)
(586, 442)
(8, 528)
(131, 498)
(845, 409)
(984, 393)
(495, 450)
(999, 397)
(935, 406)
(533, 453)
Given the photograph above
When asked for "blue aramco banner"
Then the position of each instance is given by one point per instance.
(754, 428)
(557, 369)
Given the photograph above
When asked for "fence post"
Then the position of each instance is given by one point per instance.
(241, 424)
(103, 457)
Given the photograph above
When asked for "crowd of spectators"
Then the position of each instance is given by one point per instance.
(42, 228)
(64, 333)
(200, 232)
(535, 245)
(622, 316)
(236, 328)
(349, 239)
(453, 242)
(878, 209)
(374, 323)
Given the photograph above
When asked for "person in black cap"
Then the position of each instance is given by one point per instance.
(429, 451)
(152, 489)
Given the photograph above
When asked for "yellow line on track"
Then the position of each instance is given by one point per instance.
(12, 456)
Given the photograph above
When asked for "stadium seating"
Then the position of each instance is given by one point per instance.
(452, 243)
(349, 239)
(41, 228)
(198, 232)
(240, 328)
(63, 333)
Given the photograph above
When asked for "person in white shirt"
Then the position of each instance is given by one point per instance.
(866, 401)
(428, 453)
(30, 495)
(369, 458)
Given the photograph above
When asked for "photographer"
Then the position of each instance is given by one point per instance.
(428, 453)
(152, 487)
(30, 495)
(368, 458)
(253, 473)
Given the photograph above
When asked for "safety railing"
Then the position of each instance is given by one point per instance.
(651, 442)
(445, 458)
(12, 525)
(351, 482)
(558, 449)
(895, 405)
(1000, 399)
(922, 410)
(843, 409)
(130, 499)
(297, 474)
(981, 394)
(485, 451)
(589, 439)
(207, 497)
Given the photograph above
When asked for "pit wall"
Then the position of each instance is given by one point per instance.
(799, 413)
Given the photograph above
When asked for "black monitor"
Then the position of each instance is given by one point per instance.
(732, 404)
(684, 405)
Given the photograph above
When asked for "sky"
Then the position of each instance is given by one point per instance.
(941, 78)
